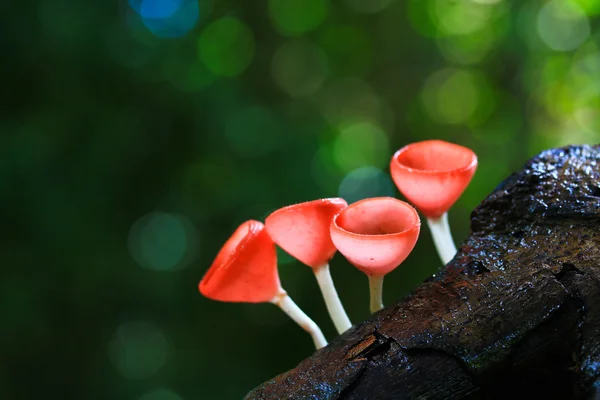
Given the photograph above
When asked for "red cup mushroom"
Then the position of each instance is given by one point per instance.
(302, 230)
(376, 235)
(432, 175)
(245, 270)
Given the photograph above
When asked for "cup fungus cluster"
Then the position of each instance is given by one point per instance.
(375, 235)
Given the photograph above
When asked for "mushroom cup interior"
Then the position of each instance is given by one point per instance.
(435, 156)
(380, 216)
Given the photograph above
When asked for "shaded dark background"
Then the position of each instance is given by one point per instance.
(136, 136)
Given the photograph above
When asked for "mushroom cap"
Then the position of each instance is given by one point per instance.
(376, 235)
(303, 229)
(433, 174)
(245, 269)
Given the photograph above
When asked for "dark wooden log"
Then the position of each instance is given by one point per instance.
(515, 314)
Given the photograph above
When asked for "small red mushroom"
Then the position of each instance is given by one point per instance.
(245, 270)
(303, 231)
(432, 175)
(376, 235)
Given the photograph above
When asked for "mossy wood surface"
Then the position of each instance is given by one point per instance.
(515, 314)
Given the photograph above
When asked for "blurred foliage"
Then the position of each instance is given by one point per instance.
(137, 135)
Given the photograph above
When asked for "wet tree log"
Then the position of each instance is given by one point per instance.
(515, 314)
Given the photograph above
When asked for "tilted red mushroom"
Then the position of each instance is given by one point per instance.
(432, 175)
(245, 270)
(376, 235)
(303, 231)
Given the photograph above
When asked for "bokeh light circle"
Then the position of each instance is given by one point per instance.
(299, 68)
(187, 76)
(163, 242)
(296, 17)
(138, 349)
(365, 182)
(159, 9)
(226, 47)
(451, 96)
(168, 18)
(562, 25)
(461, 17)
(360, 143)
(136, 5)
(468, 49)
(422, 17)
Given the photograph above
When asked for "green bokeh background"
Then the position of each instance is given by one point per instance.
(129, 153)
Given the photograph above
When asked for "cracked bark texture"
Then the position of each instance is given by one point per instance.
(515, 313)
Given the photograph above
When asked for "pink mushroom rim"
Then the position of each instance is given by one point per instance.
(376, 235)
(302, 229)
(435, 156)
(433, 174)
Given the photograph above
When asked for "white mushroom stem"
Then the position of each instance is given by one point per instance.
(376, 291)
(283, 301)
(332, 300)
(442, 238)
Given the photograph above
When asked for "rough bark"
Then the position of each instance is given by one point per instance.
(515, 314)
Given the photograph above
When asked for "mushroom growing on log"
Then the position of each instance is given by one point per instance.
(515, 314)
